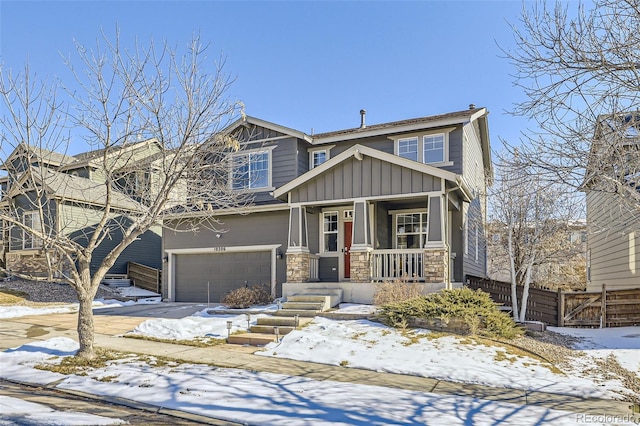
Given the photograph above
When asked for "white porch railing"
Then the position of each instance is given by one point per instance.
(394, 264)
(313, 267)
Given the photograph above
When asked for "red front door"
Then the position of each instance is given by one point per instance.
(348, 226)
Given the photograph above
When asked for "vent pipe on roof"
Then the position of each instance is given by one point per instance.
(363, 112)
(472, 106)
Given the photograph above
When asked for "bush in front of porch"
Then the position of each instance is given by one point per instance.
(473, 309)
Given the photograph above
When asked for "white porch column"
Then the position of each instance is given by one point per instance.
(436, 221)
(436, 252)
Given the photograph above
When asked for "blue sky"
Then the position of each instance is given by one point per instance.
(305, 65)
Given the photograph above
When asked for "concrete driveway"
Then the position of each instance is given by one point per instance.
(158, 310)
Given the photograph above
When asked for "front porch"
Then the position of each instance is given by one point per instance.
(366, 217)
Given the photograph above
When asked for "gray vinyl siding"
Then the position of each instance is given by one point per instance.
(381, 143)
(253, 229)
(303, 157)
(370, 177)
(471, 266)
(456, 245)
(613, 242)
(25, 203)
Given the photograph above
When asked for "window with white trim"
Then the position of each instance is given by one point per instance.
(251, 170)
(32, 221)
(428, 149)
(411, 230)
(330, 231)
(408, 148)
(318, 157)
(433, 148)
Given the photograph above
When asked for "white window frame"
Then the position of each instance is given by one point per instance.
(424, 233)
(421, 143)
(36, 242)
(269, 185)
(413, 139)
(325, 232)
(313, 151)
(424, 148)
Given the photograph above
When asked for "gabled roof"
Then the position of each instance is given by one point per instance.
(244, 121)
(66, 187)
(44, 155)
(357, 151)
(87, 158)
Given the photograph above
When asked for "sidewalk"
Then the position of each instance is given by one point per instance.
(18, 331)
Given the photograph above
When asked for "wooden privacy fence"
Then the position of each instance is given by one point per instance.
(607, 308)
(144, 276)
(542, 305)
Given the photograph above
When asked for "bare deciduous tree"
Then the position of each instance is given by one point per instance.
(530, 224)
(579, 67)
(151, 119)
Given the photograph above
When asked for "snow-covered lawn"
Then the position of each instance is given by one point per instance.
(265, 398)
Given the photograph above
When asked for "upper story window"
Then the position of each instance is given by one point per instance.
(429, 149)
(318, 156)
(31, 220)
(433, 146)
(251, 170)
(408, 148)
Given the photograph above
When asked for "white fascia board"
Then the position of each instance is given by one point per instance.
(371, 152)
(228, 212)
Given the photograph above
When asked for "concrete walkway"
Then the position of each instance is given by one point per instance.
(19, 331)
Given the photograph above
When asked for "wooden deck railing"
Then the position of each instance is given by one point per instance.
(395, 264)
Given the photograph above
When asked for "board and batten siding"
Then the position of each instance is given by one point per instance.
(613, 243)
(369, 177)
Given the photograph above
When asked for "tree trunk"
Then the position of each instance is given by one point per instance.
(525, 294)
(85, 329)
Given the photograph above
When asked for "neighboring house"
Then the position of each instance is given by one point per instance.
(73, 193)
(566, 271)
(396, 201)
(613, 204)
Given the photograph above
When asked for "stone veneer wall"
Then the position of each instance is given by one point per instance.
(34, 263)
(436, 265)
(360, 267)
(298, 267)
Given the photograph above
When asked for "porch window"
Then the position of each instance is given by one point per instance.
(411, 230)
(31, 220)
(251, 170)
(330, 231)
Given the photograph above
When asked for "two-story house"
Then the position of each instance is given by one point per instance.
(612, 188)
(59, 194)
(403, 200)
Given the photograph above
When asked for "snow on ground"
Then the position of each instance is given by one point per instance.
(621, 342)
(265, 398)
(14, 411)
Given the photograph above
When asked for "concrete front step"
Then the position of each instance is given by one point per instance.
(317, 298)
(311, 306)
(270, 329)
(283, 321)
(253, 339)
(294, 312)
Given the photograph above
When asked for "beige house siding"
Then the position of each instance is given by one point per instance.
(613, 244)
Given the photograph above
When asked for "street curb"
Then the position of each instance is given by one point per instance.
(136, 405)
